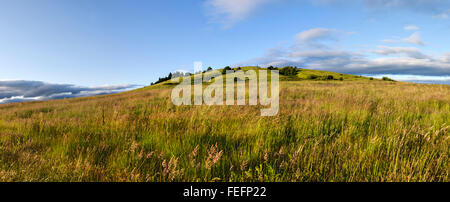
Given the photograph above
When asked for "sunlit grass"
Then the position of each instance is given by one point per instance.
(355, 130)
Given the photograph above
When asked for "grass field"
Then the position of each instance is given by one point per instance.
(326, 130)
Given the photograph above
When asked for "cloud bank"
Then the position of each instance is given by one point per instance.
(404, 51)
(316, 51)
(19, 91)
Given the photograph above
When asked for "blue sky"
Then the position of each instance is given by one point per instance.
(112, 42)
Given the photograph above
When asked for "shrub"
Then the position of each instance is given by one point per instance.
(224, 71)
(288, 71)
(312, 76)
(387, 79)
(160, 80)
(330, 77)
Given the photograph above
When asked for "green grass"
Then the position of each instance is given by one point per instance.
(327, 130)
(322, 75)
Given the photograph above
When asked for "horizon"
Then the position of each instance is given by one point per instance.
(117, 44)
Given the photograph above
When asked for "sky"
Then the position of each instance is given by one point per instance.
(103, 46)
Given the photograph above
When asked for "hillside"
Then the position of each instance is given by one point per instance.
(354, 129)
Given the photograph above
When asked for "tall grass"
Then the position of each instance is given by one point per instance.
(325, 131)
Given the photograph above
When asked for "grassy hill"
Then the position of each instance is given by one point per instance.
(354, 129)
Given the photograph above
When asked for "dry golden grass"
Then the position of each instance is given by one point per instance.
(325, 131)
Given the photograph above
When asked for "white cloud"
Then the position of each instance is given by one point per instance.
(229, 12)
(390, 60)
(319, 37)
(315, 34)
(408, 51)
(415, 38)
(317, 54)
(411, 27)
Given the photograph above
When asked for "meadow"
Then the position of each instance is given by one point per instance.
(353, 129)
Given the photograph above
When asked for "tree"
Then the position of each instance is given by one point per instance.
(224, 71)
(387, 79)
(160, 80)
(209, 69)
(288, 71)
